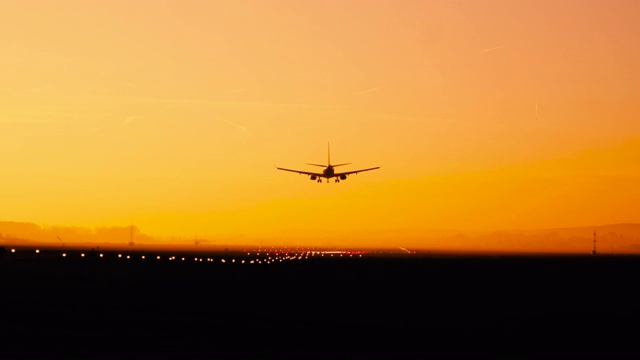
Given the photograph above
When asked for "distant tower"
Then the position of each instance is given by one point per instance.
(593, 252)
(131, 236)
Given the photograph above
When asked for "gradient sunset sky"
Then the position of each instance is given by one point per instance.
(172, 115)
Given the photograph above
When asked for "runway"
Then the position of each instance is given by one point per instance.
(313, 304)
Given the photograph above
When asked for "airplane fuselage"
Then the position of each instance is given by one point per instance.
(328, 172)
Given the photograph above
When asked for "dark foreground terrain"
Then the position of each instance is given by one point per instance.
(321, 307)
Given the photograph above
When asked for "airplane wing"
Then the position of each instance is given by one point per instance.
(355, 171)
(301, 172)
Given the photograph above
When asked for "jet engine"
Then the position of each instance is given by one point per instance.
(313, 177)
(343, 177)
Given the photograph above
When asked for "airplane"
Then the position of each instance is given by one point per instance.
(328, 171)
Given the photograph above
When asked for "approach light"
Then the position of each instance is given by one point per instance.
(158, 257)
(13, 250)
(82, 255)
(64, 255)
(142, 257)
(101, 255)
(223, 260)
(128, 257)
(37, 251)
(119, 255)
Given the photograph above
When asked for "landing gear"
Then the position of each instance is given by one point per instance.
(337, 180)
(319, 180)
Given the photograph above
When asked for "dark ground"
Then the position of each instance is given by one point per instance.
(392, 306)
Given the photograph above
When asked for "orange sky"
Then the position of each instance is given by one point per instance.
(171, 115)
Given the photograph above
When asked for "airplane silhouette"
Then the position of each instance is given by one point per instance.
(328, 171)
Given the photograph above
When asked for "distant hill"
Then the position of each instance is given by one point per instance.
(612, 238)
(12, 232)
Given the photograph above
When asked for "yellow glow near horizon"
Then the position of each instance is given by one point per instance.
(170, 115)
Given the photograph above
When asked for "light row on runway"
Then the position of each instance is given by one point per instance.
(267, 258)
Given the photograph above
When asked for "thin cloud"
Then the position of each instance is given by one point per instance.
(367, 90)
(240, 128)
(131, 119)
(492, 48)
(40, 89)
(173, 102)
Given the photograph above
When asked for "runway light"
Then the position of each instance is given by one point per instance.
(223, 260)
(182, 259)
(128, 257)
(37, 251)
(142, 257)
(243, 261)
(158, 257)
(82, 255)
(13, 250)
(119, 255)
(101, 255)
(64, 255)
